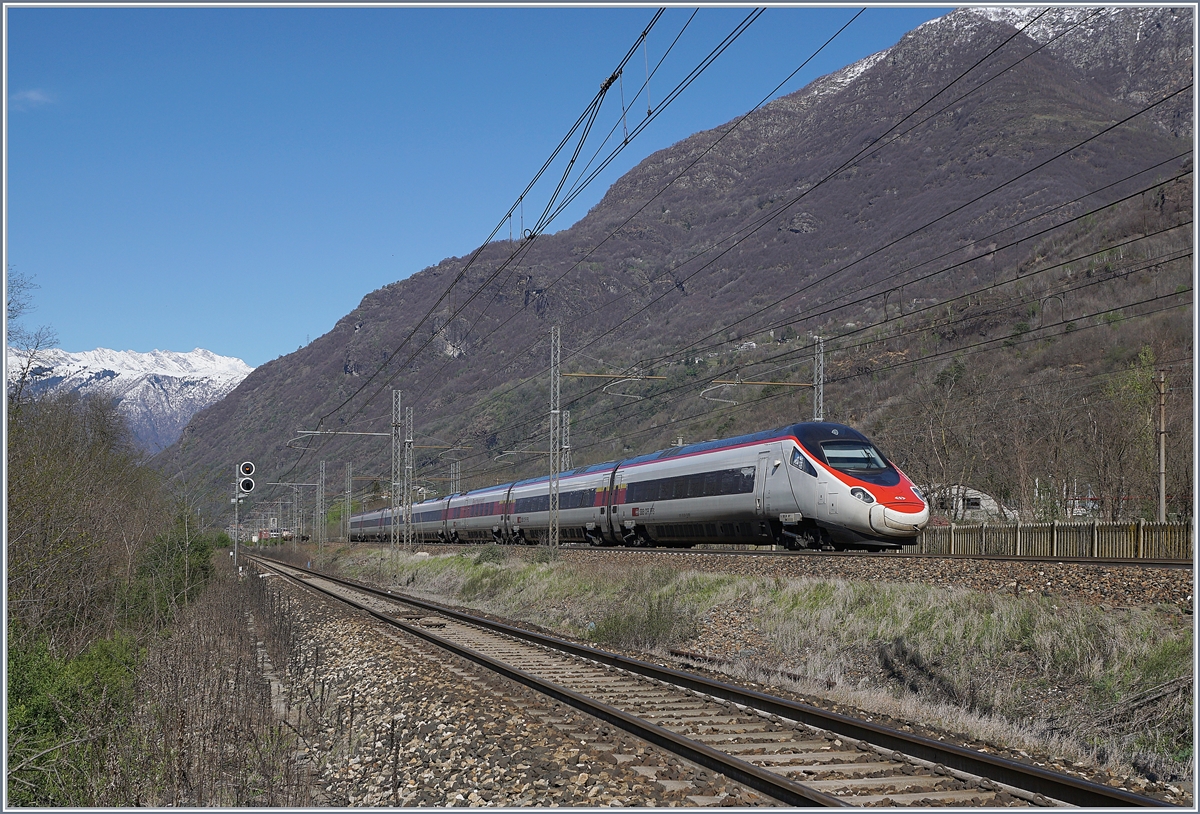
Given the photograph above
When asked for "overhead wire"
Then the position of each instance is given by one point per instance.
(588, 114)
(890, 244)
(624, 419)
(775, 213)
(692, 75)
(623, 408)
(483, 471)
(543, 223)
(690, 346)
(979, 347)
(752, 228)
(1036, 216)
(984, 288)
(838, 304)
(680, 174)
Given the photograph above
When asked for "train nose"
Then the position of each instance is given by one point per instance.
(891, 520)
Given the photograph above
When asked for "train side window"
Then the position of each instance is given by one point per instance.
(802, 463)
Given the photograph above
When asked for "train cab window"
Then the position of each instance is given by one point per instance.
(802, 463)
(853, 457)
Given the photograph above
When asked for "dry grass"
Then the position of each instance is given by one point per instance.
(205, 731)
(1030, 673)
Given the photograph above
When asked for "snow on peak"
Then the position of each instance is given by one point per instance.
(198, 362)
(158, 392)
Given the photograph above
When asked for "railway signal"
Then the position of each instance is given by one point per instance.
(245, 482)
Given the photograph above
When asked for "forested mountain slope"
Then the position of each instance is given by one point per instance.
(991, 229)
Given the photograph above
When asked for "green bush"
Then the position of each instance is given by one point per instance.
(58, 710)
(656, 622)
(491, 553)
(172, 571)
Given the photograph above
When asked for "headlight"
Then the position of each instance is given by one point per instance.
(862, 494)
(919, 494)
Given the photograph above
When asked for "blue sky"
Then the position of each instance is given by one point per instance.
(237, 179)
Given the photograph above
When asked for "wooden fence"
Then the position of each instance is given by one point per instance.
(1135, 540)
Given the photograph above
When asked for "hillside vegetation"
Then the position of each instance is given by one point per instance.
(125, 626)
(991, 231)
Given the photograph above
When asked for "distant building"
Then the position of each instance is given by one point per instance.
(962, 503)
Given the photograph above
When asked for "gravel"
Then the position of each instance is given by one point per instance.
(1115, 586)
(399, 723)
(464, 739)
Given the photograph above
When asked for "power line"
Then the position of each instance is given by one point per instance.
(689, 346)
(1034, 217)
(969, 293)
(588, 114)
(835, 306)
(586, 120)
(867, 150)
(919, 229)
(968, 350)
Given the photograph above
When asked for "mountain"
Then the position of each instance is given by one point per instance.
(158, 392)
(974, 186)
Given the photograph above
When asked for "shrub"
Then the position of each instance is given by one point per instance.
(491, 553)
(58, 710)
(656, 622)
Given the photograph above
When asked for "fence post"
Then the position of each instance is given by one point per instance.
(951, 539)
(1095, 538)
(983, 545)
(1141, 537)
(1017, 545)
(1053, 538)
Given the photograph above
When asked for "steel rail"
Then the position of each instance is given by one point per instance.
(776, 786)
(1035, 779)
(1134, 562)
(1139, 562)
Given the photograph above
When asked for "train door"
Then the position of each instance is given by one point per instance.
(608, 523)
(827, 497)
(506, 520)
(763, 490)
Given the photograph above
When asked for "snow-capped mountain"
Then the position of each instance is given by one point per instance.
(158, 392)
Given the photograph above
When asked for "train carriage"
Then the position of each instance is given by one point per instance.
(812, 484)
(478, 516)
(373, 526)
(429, 521)
(703, 493)
(581, 506)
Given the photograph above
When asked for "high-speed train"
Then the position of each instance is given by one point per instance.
(809, 485)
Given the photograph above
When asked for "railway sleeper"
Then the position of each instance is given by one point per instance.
(986, 785)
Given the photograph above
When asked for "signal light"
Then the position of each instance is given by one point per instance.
(246, 483)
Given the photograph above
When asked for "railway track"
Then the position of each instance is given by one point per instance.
(765, 552)
(793, 753)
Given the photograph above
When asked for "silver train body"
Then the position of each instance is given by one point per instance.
(808, 485)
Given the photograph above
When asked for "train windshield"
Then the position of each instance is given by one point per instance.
(854, 457)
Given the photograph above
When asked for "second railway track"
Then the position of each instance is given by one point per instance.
(790, 752)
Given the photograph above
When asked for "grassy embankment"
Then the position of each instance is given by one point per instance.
(1031, 673)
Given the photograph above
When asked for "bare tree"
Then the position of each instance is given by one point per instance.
(27, 344)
